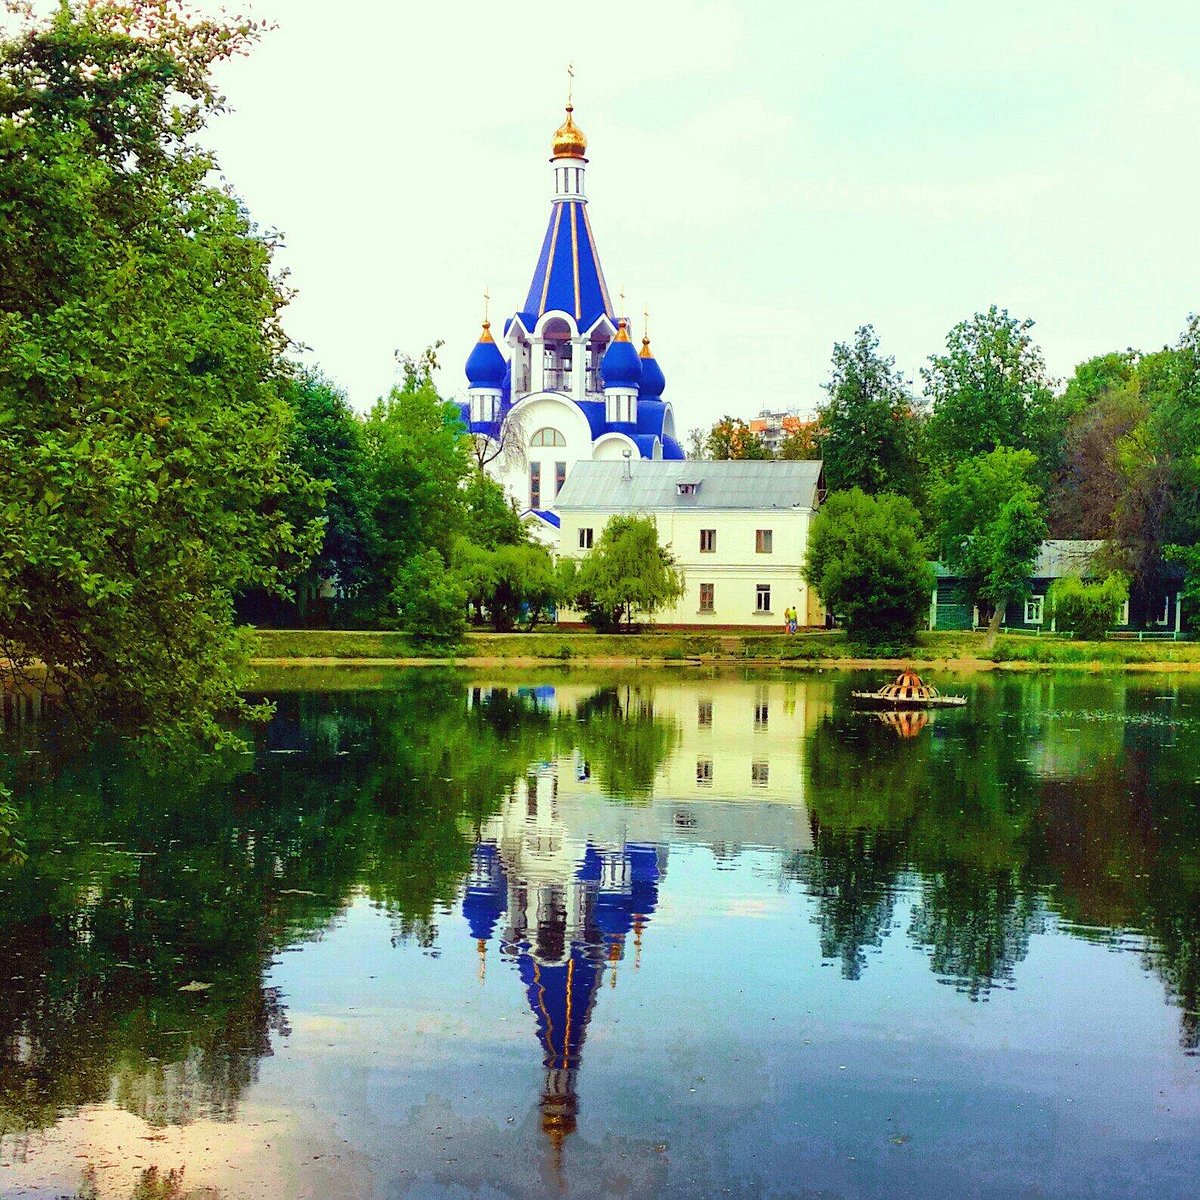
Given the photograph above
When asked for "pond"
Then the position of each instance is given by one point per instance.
(632, 935)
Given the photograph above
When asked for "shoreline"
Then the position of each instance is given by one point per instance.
(960, 665)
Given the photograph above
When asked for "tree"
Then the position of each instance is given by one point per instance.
(868, 563)
(144, 433)
(418, 456)
(865, 428)
(990, 389)
(626, 573)
(696, 448)
(1086, 608)
(429, 601)
(991, 524)
(327, 445)
(731, 437)
(801, 441)
(492, 518)
(507, 582)
(1086, 493)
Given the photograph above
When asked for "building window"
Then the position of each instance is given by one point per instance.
(704, 714)
(560, 476)
(687, 489)
(760, 773)
(547, 437)
(1033, 610)
(762, 599)
(706, 597)
(535, 485)
(708, 541)
(585, 539)
(762, 541)
(704, 772)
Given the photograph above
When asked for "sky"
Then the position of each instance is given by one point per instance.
(764, 177)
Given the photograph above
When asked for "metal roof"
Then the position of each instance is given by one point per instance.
(1055, 559)
(650, 484)
(1058, 558)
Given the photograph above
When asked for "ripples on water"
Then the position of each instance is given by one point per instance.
(589, 935)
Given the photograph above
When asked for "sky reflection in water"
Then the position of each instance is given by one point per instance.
(633, 936)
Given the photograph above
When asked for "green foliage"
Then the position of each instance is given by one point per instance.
(12, 847)
(731, 437)
(327, 445)
(626, 574)
(144, 429)
(990, 389)
(507, 582)
(866, 428)
(429, 600)
(991, 523)
(492, 517)
(417, 458)
(868, 564)
(1086, 608)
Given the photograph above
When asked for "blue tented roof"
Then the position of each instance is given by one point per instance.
(568, 277)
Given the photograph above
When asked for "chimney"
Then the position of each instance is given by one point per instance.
(628, 472)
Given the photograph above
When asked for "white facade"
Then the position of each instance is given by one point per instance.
(740, 548)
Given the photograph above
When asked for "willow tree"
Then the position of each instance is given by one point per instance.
(144, 474)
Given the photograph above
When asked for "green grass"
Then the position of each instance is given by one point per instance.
(581, 646)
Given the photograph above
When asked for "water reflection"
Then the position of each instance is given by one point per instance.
(533, 823)
(566, 909)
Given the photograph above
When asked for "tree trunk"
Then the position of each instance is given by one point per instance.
(994, 623)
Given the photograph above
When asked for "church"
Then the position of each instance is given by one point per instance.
(565, 383)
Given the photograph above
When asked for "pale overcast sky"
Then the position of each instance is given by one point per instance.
(765, 176)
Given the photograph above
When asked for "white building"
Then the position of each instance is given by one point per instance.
(738, 531)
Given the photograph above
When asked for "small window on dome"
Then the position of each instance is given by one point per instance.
(687, 489)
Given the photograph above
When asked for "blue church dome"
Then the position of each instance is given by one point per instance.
(485, 364)
(620, 367)
(653, 380)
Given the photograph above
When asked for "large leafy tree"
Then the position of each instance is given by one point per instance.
(869, 565)
(866, 427)
(991, 522)
(626, 574)
(990, 389)
(418, 457)
(1106, 403)
(327, 445)
(144, 438)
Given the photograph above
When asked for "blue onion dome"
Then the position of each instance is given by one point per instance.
(485, 366)
(653, 380)
(620, 367)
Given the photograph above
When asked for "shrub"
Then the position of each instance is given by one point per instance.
(1087, 609)
(430, 601)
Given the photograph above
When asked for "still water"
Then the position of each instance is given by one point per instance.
(595, 935)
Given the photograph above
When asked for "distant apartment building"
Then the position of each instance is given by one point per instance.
(775, 427)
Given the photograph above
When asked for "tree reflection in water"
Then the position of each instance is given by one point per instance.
(141, 882)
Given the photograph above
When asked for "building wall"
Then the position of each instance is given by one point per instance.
(735, 568)
(545, 411)
(952, 610)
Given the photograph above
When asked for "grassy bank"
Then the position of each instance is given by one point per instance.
(321, 645)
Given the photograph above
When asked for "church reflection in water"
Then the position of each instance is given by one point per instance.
(565, 914)
(565, 875)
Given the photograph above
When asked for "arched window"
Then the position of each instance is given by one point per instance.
(548, 437)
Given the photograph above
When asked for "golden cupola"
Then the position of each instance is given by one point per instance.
(569, 141)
